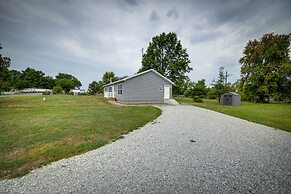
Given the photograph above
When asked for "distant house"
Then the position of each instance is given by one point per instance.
(230, 98)
(145, 87)
(77, 91)
(35, 90)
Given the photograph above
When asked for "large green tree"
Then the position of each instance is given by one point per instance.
(30, 78)
(196, 89)
(76, 82)
(4, 71)
(109, 76)
(14, 77)
(94, 87)
(265, 70)
(65, 84)
(200, 89)
(48, 82)
(166, 55)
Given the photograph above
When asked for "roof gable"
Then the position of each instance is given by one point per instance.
(141, 73)
(231, 93)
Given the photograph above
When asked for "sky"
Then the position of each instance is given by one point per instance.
(85, 38)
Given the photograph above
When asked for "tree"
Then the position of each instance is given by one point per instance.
(48, 82)
(166, 55)
(189, 88)
(14, 77)
(108, 77)
(58, 89)
(66, 84)
(265, 70)
(76, 82)
(200, 88)
(4, 71)
(284, 85)
(30, 78)
(219, 85)
(94, 88)
(196, 89)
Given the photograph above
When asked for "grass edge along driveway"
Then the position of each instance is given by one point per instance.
(34, 132)
(276, 115)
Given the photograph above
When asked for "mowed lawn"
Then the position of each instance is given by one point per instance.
(277, 115)
(34, 132)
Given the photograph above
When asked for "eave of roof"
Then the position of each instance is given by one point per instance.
(138, 74)
(231, 93)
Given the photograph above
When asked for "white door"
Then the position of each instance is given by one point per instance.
(111, 92)
(167, 92)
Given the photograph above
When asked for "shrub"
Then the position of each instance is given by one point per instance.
(197, 99)
(58, 89)
(46, 93)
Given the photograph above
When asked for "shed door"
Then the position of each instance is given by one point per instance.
(229, 100)
(167, 92)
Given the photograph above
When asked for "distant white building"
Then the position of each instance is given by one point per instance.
(78, 91)
(8, 93)
(35, 90)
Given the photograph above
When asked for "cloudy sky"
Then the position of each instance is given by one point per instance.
(86, 38)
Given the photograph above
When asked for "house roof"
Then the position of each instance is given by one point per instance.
(233, 93)
(138, 74)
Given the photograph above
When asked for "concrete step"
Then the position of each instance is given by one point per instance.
(171, 101)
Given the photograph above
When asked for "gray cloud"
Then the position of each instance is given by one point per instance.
(133, 2)
(87, 38)
(205, 37)
(173, 13)
(154, 16)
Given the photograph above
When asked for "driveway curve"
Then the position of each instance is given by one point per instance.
(186, 150)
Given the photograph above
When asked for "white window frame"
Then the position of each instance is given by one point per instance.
(119, 89)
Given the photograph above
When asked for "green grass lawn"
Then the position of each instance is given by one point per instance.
(34, 132)
(277, 115)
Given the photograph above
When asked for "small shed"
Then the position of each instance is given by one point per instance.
(230, 98)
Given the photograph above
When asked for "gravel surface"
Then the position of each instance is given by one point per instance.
(186, 150)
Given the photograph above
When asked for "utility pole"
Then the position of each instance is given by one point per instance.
(141, 52)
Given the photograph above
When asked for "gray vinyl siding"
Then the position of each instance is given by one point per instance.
(119, 97)
(236, 100)
(143, 88)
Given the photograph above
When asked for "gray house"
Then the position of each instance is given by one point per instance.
(145, 87)
(230, 98)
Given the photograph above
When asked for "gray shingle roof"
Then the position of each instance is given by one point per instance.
(138, 74)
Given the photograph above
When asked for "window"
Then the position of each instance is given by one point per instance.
(110, 89)
(106, 89)
(119, 89)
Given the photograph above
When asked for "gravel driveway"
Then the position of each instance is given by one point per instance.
(225, 155)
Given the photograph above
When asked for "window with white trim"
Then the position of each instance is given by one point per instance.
(119, 89)
(110, 89)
